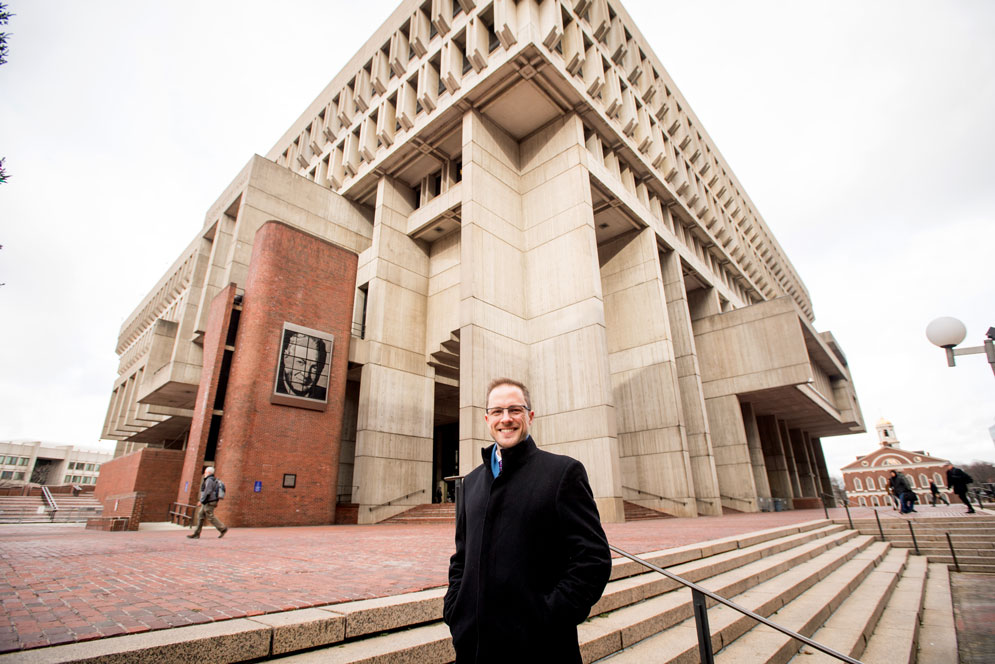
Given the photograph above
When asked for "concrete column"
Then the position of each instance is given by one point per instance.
(733, 464)
(756, 451)
(568, 348)
(802, 462)
(493, 324)
(656, 466)
(527, 219)
(706, 484)
(393, 462)
(796, 485)
(820, 464)
(775, 459)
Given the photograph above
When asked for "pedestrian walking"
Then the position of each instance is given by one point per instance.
(958, 480)
(211, 491)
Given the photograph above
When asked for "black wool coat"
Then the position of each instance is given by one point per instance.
(531, 559)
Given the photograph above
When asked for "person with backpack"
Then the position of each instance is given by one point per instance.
(958, 480)
(211, 491)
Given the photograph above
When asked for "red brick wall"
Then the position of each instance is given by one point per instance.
(153, 473)
(297, 278)
(218, 319)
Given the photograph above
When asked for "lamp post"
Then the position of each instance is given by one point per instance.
(947, 332)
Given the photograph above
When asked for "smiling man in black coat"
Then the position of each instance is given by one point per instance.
(531, 557)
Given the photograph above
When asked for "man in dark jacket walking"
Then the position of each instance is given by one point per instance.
(531, 557)
(900, 487)
(208, 501)
(958, 480)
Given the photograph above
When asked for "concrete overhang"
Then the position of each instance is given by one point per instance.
(770, 356)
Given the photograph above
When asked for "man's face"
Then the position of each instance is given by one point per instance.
(506, 429)
(300, 365)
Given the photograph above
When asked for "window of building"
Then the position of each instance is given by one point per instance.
(862, 502)
(938, 479)
(882, 482)
(874, 501)
(923, 481)
(912, 481)
(19, 476)
(6, 475)
(858, 485)
(23, 461)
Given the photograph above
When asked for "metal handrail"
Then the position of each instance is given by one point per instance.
(742, 500)
(647, 493)
(912, 532)
(698, 595)
(407, 495)
(47, 495)
(178, 513)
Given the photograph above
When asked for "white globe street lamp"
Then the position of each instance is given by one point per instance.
(947, 333)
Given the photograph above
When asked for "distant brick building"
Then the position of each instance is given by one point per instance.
(866, 479)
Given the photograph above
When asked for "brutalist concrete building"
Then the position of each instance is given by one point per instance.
(488, 188)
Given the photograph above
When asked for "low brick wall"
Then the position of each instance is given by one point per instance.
(108, 523)
(128, 507)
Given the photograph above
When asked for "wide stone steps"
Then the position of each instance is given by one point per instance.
(429, 513)
(800, 574)
(34, 509)
(973, 539)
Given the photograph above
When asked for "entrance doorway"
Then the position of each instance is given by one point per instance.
(445, 443)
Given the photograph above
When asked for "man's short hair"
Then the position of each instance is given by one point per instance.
(209, 470)
(498, 382)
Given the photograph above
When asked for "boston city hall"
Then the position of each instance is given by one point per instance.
(488, 188)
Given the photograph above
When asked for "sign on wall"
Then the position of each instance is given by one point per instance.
(303, 367)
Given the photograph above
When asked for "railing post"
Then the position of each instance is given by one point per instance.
(846, 504)
(953, 553)
(701, 624)
(459, 495)
(880, 529)
(914, 542)
(824, 508)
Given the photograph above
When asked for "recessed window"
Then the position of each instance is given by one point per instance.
(289, 480)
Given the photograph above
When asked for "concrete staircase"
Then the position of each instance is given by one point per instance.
(34, 509)
(973, 538)
(429, 513)
(637, 512)
(858, 596)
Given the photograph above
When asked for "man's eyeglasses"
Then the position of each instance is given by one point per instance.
(513, 411)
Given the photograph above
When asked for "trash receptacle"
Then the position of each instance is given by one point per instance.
(778, 505)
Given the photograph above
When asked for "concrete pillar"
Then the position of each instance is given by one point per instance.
(393, 463)
(493, 322)
(568, 348)
(656, 466)
(706, 484)
(733, 464)
(775, 458)
(796, 485)
(528, 219)
(756, 451)
(802, 462)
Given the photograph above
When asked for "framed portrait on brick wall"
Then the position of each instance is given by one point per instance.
(303, 367)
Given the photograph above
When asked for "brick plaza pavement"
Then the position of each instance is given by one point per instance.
(61, 583)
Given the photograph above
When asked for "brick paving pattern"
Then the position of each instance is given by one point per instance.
(61, 583)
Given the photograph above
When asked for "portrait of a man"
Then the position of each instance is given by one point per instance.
(303, 365)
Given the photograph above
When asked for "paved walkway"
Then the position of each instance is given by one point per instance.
(60, 583)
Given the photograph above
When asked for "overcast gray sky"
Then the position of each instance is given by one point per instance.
(862, 131)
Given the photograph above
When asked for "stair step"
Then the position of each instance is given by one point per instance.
(805, 613)
(896, 637)
(430, 643)
(849, 629)
(679, 643)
